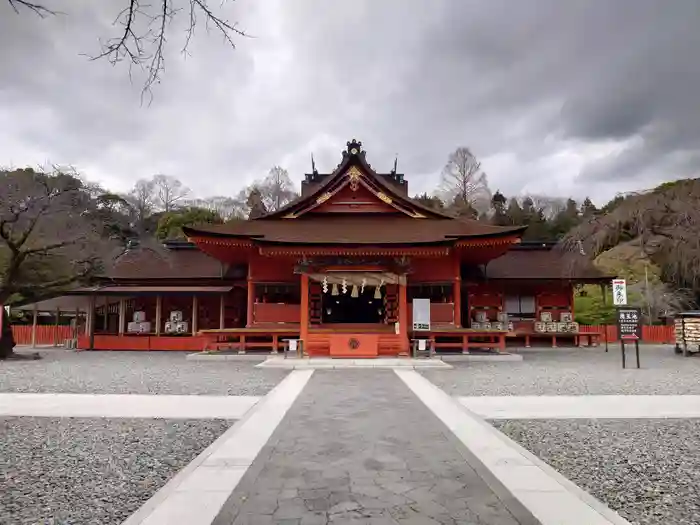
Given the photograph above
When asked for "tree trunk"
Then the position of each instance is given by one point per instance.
(7, 342)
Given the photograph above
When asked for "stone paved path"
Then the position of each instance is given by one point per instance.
(360, 447)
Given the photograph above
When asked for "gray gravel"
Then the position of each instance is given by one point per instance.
(574, 372)
(647, 470)
(65, 371)
(91, 471)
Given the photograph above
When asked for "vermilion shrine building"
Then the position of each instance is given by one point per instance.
(337, 269)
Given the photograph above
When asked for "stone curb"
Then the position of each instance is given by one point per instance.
(197, 494)
(549, 497)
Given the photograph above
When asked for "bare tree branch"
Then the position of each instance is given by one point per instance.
(144, 28)
(37, 9)
(463, 182)
(169, 191)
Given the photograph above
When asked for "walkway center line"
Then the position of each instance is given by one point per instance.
(548, 495)
(126, 405)
(196, 494)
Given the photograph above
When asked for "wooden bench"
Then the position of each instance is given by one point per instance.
(240, 339)
(468, 338)
(593, 338)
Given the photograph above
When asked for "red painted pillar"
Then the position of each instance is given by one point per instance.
(457, 294)
(251, 303)
(304, 312)
(403, 317)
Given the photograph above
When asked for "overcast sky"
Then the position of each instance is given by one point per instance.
(575, 97)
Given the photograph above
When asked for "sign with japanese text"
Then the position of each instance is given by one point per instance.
(629, 323)
(421, 314)
(619, 289)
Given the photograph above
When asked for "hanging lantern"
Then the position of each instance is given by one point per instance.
(355, 292)
(345, 286)
(325, 285)
(362, 286)
(334, 290)
(377, 292)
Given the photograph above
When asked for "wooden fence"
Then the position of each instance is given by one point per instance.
(50, 334)
(45, 334)
(658, 334)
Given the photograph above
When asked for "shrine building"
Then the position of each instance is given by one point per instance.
(337, 270)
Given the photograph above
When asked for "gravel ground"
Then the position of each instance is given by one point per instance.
(66, 371)
(574, 372)
(91, 471)
(647, 470)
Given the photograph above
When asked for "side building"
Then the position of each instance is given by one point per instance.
(337, 269)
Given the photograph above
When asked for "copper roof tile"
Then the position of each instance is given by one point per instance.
(542, 264)
(351, 229)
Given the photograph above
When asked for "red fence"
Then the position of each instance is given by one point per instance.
(49, 334)
(45, 334)
(660, 334)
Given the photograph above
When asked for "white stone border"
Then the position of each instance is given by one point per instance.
(126, 405)
(196, 494)
(329, 363)
(583, 407)
(549, 496)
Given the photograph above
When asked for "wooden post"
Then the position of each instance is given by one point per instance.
(105, 321)
(91, 322)
(573, 298)
(222, 310)
(457, 294)
(88, 315)
(304, 312)
(195, 312)
(34, 323)
(250, 319)
(159, 313)
(403, 317)
(122, 316)
(57, 323)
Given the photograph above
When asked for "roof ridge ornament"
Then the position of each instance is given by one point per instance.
(354, 147)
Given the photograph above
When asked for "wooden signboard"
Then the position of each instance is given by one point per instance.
(629, 323)
(630, 330)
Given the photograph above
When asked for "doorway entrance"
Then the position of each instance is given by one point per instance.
(345, 309)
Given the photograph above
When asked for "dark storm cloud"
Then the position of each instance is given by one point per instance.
(551, 95)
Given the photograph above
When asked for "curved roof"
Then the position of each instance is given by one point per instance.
(355, 229)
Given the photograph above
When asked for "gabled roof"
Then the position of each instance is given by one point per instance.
(355, 170)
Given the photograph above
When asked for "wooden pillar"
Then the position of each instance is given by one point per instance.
(56, 324)
(403, 316)
(304, 311)
(122, 316)
(250, 319)
(573, 297)
(88, 315)
(91, 322)
(195, 308)
(105, 321)
(35, 318)
(159, 313)
(457, 294)
(222, 310)
(75, 332)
